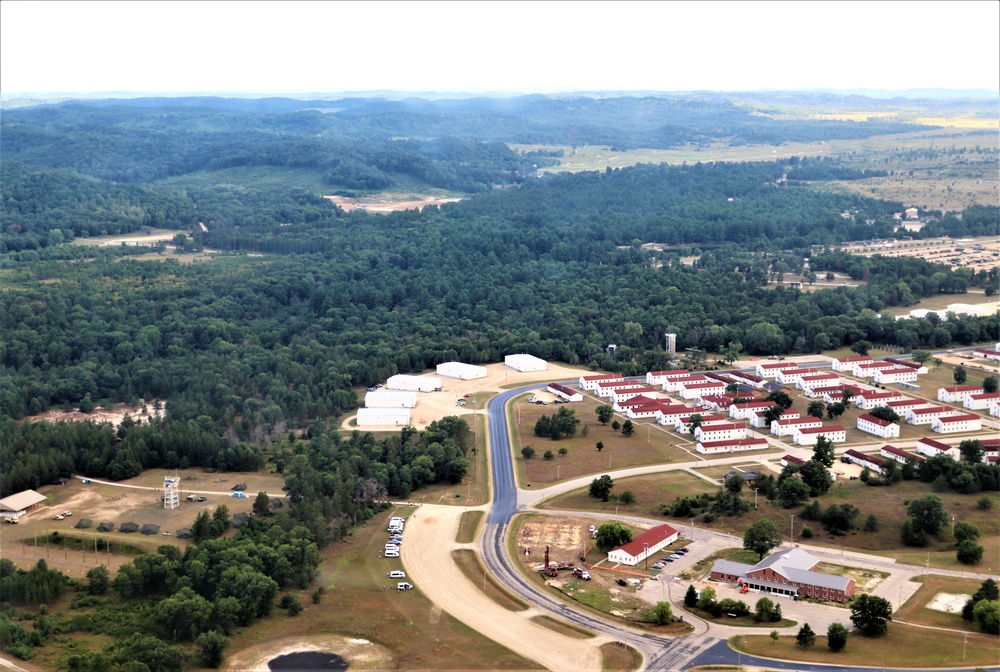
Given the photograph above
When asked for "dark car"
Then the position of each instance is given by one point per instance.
(621, 582)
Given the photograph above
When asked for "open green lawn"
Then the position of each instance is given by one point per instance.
(650, 492)
(650, 444)
(915, 610)
(904, 645)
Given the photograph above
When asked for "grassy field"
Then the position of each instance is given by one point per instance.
(420, 635)
(915, 610)
(468, 561)
(650, 492)
(904, 645)
(650, 444)
(619, 657)
(945, 169)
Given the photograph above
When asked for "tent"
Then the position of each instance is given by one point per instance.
(149, 528)
(128, 528)
(106, 527)
(185, 533)
(240, 518)
(276, 503)
(83, 524)
(240, 487)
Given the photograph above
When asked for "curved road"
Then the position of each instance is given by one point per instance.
(659, 653)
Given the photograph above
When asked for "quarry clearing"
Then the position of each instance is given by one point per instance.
(389, 202)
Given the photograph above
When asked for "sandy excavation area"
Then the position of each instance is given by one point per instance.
(429, 565)
(433, 406)
(389, 202)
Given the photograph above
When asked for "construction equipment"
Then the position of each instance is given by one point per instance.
(549, 570)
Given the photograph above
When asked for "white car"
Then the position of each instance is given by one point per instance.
(66, 514)
(397, 574)
(403, 585)
(57, 517)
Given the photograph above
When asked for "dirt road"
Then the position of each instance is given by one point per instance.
(428, 562)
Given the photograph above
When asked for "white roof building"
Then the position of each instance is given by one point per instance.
(383, 417)
(413, 383)
(391, 399)
(525, 363)
(20, 503)
(461, 371)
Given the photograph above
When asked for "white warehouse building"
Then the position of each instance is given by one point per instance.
(461, 371)
(525, 363)
(383, 417)
(391, 399)
(413, 383)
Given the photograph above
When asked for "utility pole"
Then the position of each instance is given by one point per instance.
(645, 554)
(692, 529)
(791, 527)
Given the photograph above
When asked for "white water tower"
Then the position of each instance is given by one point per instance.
(672, 344)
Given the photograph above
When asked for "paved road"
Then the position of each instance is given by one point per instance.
(660, 653)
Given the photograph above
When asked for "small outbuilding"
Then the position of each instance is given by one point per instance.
(461, 371)
(185, 533)
(240, 519)
(524, 362)
(276, 503)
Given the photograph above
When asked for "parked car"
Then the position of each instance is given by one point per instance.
(397, 574)
(66, 514)
(403, 585)
(203, 499)
(581, 574)
(392, 554)
(657, 565)
(670, 559)
(621, 582)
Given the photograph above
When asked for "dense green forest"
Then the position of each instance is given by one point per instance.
(244, 347)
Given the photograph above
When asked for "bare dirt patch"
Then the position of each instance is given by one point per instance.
(562, 536)
(949, 603)
(389, 202)
(113, 414)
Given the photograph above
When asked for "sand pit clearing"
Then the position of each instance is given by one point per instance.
(949, 603)
(383, 203)
(141, 412)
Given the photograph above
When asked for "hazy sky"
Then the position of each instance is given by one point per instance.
(543, 47)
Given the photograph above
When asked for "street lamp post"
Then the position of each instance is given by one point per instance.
(755, 499)
(645, 555)
(791, 527)
(692, 529)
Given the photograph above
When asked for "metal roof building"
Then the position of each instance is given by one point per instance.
(461, 371)
(20, 503)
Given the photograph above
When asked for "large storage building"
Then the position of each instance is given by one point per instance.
(525, 363)
(461, 371)
(383, 417)
(20, 503)
(391, 399)
(413, 383)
